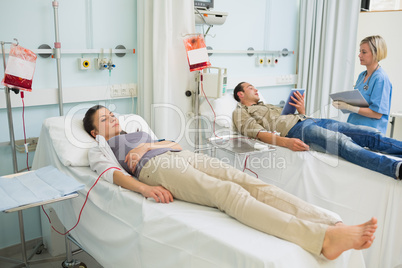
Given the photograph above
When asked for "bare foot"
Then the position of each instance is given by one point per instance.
(340, 238)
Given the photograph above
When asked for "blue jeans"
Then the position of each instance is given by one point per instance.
(348, 141)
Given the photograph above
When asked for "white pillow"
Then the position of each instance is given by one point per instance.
(223, 108)
(71, 142)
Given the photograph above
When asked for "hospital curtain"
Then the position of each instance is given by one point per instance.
(327, 50)
(163, 72)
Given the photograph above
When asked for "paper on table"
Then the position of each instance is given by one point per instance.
(58, 180)
(44, 184)
(352, 97)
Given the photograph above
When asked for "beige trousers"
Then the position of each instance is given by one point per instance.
(203, 180)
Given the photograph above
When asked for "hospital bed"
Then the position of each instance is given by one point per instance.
(353, 192)
(120, 228)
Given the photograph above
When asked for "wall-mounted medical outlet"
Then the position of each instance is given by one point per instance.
(84, 64)
(266, 61)
(269, 61)
(123, 90)
(259, 61)
(101, 64)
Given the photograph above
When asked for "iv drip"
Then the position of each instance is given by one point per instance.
(197, 54)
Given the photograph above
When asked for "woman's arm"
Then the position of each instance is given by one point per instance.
(165, 144)
(159, 193)
(364, 111)
(135, 155)
(367, 112)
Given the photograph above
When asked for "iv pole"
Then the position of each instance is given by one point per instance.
(57, 46)
(12, 141)
(9, 112)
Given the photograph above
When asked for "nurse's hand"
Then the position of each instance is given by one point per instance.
(345, 106)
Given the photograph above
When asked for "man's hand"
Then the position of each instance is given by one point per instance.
(296, 145)
(299, 102)
(344, 106)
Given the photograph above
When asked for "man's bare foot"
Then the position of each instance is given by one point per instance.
(342, 237)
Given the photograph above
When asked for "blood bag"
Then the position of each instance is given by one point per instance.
(20, 68)
(197, 54)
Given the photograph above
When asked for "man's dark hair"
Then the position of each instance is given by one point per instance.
(88, 120)
(238, 88)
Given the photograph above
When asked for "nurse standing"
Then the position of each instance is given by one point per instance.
(374, 85)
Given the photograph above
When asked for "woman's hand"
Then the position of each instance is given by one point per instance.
(345, 106)
(299, 102)
(159, 193)
(134, 155)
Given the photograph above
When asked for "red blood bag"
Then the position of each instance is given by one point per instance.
(20, 68)
(197, 54)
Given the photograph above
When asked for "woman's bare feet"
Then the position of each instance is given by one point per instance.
(342, 237)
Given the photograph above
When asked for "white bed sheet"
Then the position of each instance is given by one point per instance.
(353, 192)
(120, 228)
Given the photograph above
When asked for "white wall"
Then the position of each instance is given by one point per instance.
(387, 24)
(263, 25)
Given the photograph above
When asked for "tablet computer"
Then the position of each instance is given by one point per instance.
(289, 109)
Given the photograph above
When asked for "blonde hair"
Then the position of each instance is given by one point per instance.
(377, 46)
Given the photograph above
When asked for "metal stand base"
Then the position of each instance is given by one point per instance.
(70, 262)
(26, 261)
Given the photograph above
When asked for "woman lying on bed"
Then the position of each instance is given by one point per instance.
(164, 171)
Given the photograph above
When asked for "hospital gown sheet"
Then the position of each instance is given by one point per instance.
(41, 185)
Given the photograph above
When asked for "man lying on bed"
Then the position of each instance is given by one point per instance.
(162, 170)
(255, 119)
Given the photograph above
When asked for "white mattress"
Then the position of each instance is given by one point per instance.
(353, 192)
(120, 228)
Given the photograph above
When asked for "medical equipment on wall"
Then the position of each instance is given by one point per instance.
(214, 83)
(204, 4)
(210, 17)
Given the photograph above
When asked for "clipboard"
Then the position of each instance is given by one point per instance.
(352, 97)
(289, 109)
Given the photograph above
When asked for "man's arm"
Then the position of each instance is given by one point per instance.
(290, 143)
(248, 126)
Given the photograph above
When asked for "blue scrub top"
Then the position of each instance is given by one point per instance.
(378, 95)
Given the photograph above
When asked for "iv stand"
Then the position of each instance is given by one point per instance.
(197, 112)
(13, 151)
(57, 47)
(9, 112)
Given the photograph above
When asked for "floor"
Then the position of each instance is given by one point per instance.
(80, 257)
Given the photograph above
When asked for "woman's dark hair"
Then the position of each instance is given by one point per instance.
(238, 88)
(89, 118)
